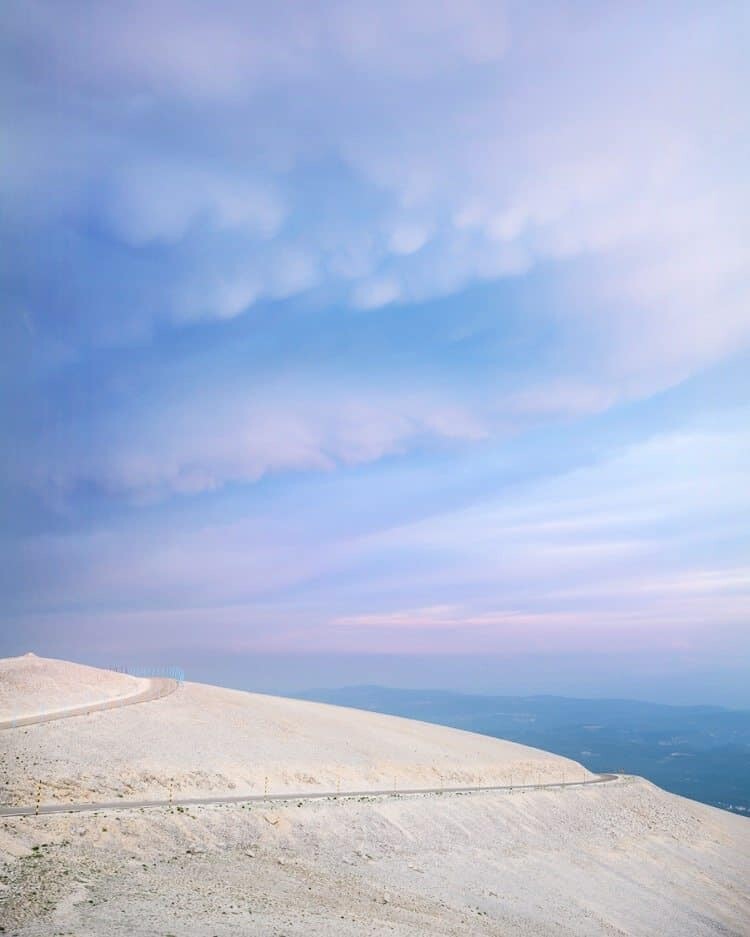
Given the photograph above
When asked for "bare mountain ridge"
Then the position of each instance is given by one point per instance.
(615, 858)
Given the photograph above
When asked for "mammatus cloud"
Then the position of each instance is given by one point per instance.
(151, 203)
(394, 154)
(180, 442)
(359, 251)
(225, 436)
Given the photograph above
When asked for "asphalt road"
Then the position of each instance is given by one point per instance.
(46, 809)
(162, 686)
(157, 688)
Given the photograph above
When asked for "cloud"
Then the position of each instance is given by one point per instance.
(423, 251)
(644, 547)
(377, 292)
(236, 48)
(154, 202)
(239, 434)
(404, 152)
(408, 238)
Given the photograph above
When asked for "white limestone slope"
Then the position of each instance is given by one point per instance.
(204, 739)
(622, 859)
(31, 685)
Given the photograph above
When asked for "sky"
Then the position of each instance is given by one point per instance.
(395, 342)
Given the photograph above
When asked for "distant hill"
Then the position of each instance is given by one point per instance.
(702, 752)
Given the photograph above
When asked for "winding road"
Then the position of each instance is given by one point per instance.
(46, 809)
(158, 687)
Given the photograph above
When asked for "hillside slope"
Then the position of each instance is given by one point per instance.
(32, 685)
(622, 858)
(204, 739)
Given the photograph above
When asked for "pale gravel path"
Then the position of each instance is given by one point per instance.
(158, 687)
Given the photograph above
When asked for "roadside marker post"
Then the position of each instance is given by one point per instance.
(265, 787)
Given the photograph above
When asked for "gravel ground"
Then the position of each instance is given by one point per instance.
(32, 685)
(202, 740)
(622, 858)
(618, 859)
